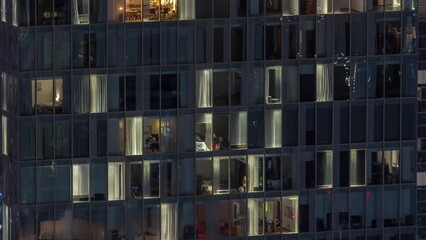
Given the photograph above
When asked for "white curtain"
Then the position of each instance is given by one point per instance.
(98, 93)
(239, 128)
(80, 180)
(81, 94)
(3, 10)
(253, 173)
(253, 220)
(115, 181)
(76, 16)
(204, 88)
(324, 82)
(186, 9)
(169, 219)
(134, 136)
(273, 134)
(4, 134)
(15, 12)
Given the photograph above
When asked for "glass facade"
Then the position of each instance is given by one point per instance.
(210, 119)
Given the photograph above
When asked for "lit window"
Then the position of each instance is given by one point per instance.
(203, 132)
(186, 9)
(134, 136)
(133, 10)
(290, 213)
(169, 219)
(255, 173)
(80, 11)
(324, 169)
(324, 82)
(273, 122)
(4, 134)
(115, 181)
(204, 90)
(3, 10)
(47, 98)
(290, 7)
(220, 175)
(80, 182)
(357, 168)
(98, 93)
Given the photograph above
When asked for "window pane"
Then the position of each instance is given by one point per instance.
(26, 49)
(133, 44)
(80, 182)
(98, 180)
(134, 137)
(115, 181)
(135, 175)
(186, 35)
(186, 9)
(168, 43)
(116, 45)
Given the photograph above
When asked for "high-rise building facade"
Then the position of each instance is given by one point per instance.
(208, 119)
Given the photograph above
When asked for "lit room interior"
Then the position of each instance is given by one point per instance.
(47, 98)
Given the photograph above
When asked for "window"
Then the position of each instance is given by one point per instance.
(238, 130)
(255, 216)
(357, 168)
(264, 213)
(98, 180)
(115, 181)
(169, 177)
(134, 138)
(273, 130)
(151, 131)
(290, 7)
(204, 175)
(80, 11)
(324, 168)
(151, 178)
(255, 171)
(4, 135)
(186, 9)
(116, 138)
(273, 84)
(290, 212)
(220, 132)
(342, 6)
(169, 220)
(4, 90)
(3, 10)
(203, 132)
(273, 39)
(135, 180)
(386, 5)
(324, 82)
(80, 182)
(306, 168)
(238, 174)
(133, 11)
(358, 6)
(151, 10)
(272, 173)
(45, 12)
(115, 10)
(325, 6)
(221, 175)
(151, 223)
